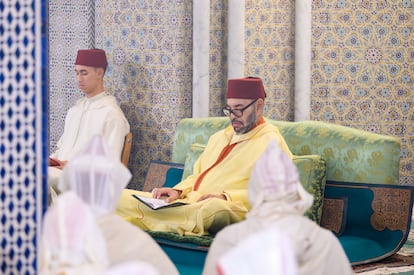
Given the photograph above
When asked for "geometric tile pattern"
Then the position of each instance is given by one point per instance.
(362, 69)
(71, 27)
(20, 185)
(269, 53)
(218, 56)
(149, 46)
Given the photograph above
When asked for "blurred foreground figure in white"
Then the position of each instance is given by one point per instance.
(72, 242)
(268, 251)
(98, 180)
(279, 202)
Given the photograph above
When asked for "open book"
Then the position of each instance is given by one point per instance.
(157, 203)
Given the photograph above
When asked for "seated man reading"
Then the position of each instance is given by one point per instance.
(216, 192)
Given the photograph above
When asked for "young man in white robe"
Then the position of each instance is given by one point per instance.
(278, 202)
(97, 113)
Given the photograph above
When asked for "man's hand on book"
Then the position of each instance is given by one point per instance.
(170, 193)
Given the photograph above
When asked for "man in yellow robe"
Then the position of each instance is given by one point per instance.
(216, 193)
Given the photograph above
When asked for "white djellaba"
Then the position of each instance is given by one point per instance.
(97, 179)
(278, 203)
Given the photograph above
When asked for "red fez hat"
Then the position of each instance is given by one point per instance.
(92, 58)
(245, 88)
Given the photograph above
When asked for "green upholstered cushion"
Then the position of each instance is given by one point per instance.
(351, 155)
(192, 155)
(312, 171)
(202, 241)
(194, 130)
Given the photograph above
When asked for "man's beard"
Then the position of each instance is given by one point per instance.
(250, 123)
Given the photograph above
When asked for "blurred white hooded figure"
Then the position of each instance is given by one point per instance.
(279, 201)
(72, 242)
(268, 251)
(98, 179)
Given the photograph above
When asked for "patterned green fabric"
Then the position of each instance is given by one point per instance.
(192, 155)
(351, 155)
(194, 130)
(312, 172)
(199, 240)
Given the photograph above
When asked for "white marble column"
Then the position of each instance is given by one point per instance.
(201, 44)
(303, 59)
(236, 38)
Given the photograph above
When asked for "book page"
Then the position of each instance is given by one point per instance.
(156, 203)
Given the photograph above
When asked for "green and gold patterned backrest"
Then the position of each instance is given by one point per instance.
(194, 131)
(351, 155)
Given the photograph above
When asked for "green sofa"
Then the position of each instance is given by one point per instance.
(351, 155)
(324, 153)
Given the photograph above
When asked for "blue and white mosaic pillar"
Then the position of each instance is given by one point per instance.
(23, 134)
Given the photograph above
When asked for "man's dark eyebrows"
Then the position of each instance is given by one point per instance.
(237, 106)
(81, 71)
